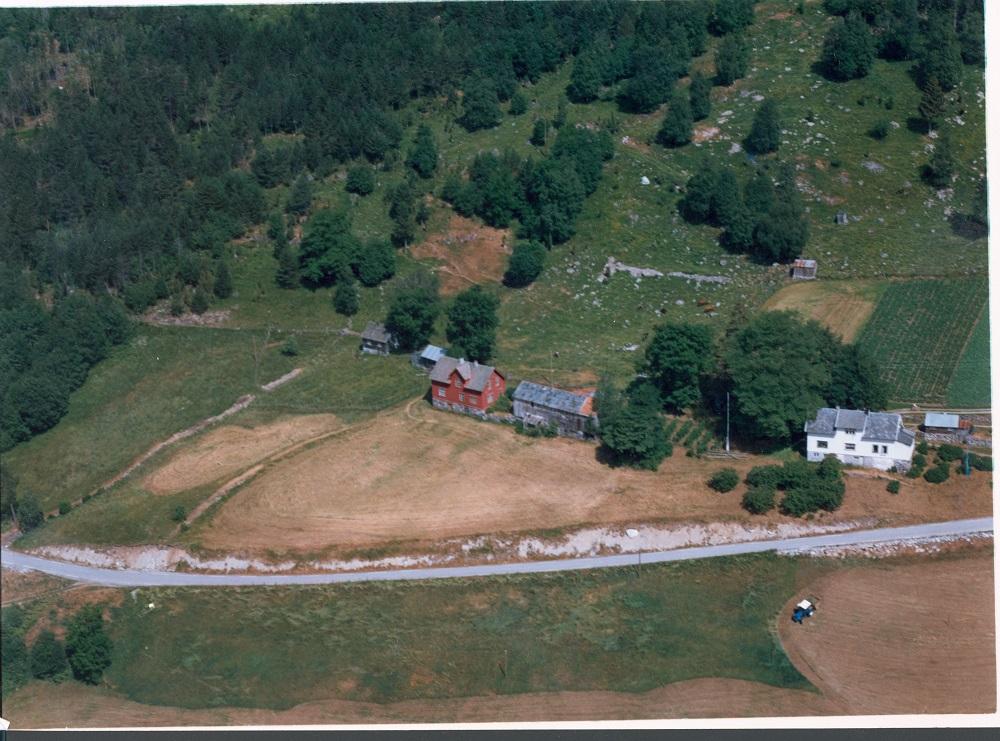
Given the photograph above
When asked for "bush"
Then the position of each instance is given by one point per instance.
(29, 514)
(290, 348)
(981, 463)
(525, 264)
(914, 472)
(892, 487)
(724, 480)
(764, 476)
(818, 494)
(937, 475)
(199, 301)
(64, 507)
(683, 431)
(880, 130)
(670, 428)
(502, 405)
(88, 647)
(48, 657)
(179, 513)
(923, 448)
(919, 460)
(758, 499)
(949, 453)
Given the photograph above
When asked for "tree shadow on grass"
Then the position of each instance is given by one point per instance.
(967, 227)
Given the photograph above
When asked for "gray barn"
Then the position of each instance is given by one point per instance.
(572, 414)
(377, 340)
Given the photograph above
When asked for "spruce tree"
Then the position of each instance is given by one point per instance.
(696, 205)
(732, 59)
(765, 132)
(300, 196)
(199, 301)
(518, 104)
(932, 104)
(538, 133)
(700, 93)
(727, 201)
(562, 108)
(287, 275)
(675, 131)
(223, 286)
(424, 155)
(361, 179)
(939, 170)
(586, 76)
(346, 297)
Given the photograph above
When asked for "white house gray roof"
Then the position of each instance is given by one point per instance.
(376, 332)
(474, 375)
(553, 398)
(937, 419)
(432, 352)
(873, 426)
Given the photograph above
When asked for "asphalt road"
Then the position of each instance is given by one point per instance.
(126, 578)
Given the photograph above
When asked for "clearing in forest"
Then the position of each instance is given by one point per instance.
(841, 306)
(467, 253)
(918, 332)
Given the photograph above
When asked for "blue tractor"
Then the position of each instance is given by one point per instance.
(802, 610)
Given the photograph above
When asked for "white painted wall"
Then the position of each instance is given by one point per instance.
(864, 452)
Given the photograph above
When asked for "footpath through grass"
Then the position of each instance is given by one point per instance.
(918, 332)
(613, 629)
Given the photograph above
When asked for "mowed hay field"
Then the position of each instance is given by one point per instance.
(415, 475)
(418, 474)
(912, 638)
(227, 450)
(919, 332)
(841, 306)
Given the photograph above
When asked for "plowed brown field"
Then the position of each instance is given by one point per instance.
(912, 638)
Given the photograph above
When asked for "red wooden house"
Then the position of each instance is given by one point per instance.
(461, 385)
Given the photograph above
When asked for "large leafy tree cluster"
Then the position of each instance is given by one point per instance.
(472, 324)
(331, 253)
(765, 220)
(525, 264)
(782, 369)
(676, 359)
(631, 425)
(413, 310)
(546, 197)
(848, 49)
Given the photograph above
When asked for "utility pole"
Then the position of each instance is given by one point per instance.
(727, 421)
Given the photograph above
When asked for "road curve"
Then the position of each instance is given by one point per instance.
(130, 578)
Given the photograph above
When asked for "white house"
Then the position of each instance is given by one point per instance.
(857, 438)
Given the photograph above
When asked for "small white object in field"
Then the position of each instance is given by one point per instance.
(632, 532)
(151, 605)
(644, 180)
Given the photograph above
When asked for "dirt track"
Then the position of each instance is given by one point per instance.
(911, 638)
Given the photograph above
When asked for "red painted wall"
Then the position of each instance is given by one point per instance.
(495, 386)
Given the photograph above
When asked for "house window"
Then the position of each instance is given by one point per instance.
(458, 384)
(874, 448)
(821, 444)
(440, 391)
(885, 450)
(489, 398)
(848, 446)
(461, 397)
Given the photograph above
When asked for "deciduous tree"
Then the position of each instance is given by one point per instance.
(472, 323)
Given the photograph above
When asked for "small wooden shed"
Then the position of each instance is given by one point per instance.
(804, 269)
(377, 340)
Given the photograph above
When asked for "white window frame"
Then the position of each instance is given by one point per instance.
(822, 444)
(849, 446)
(440, 391)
